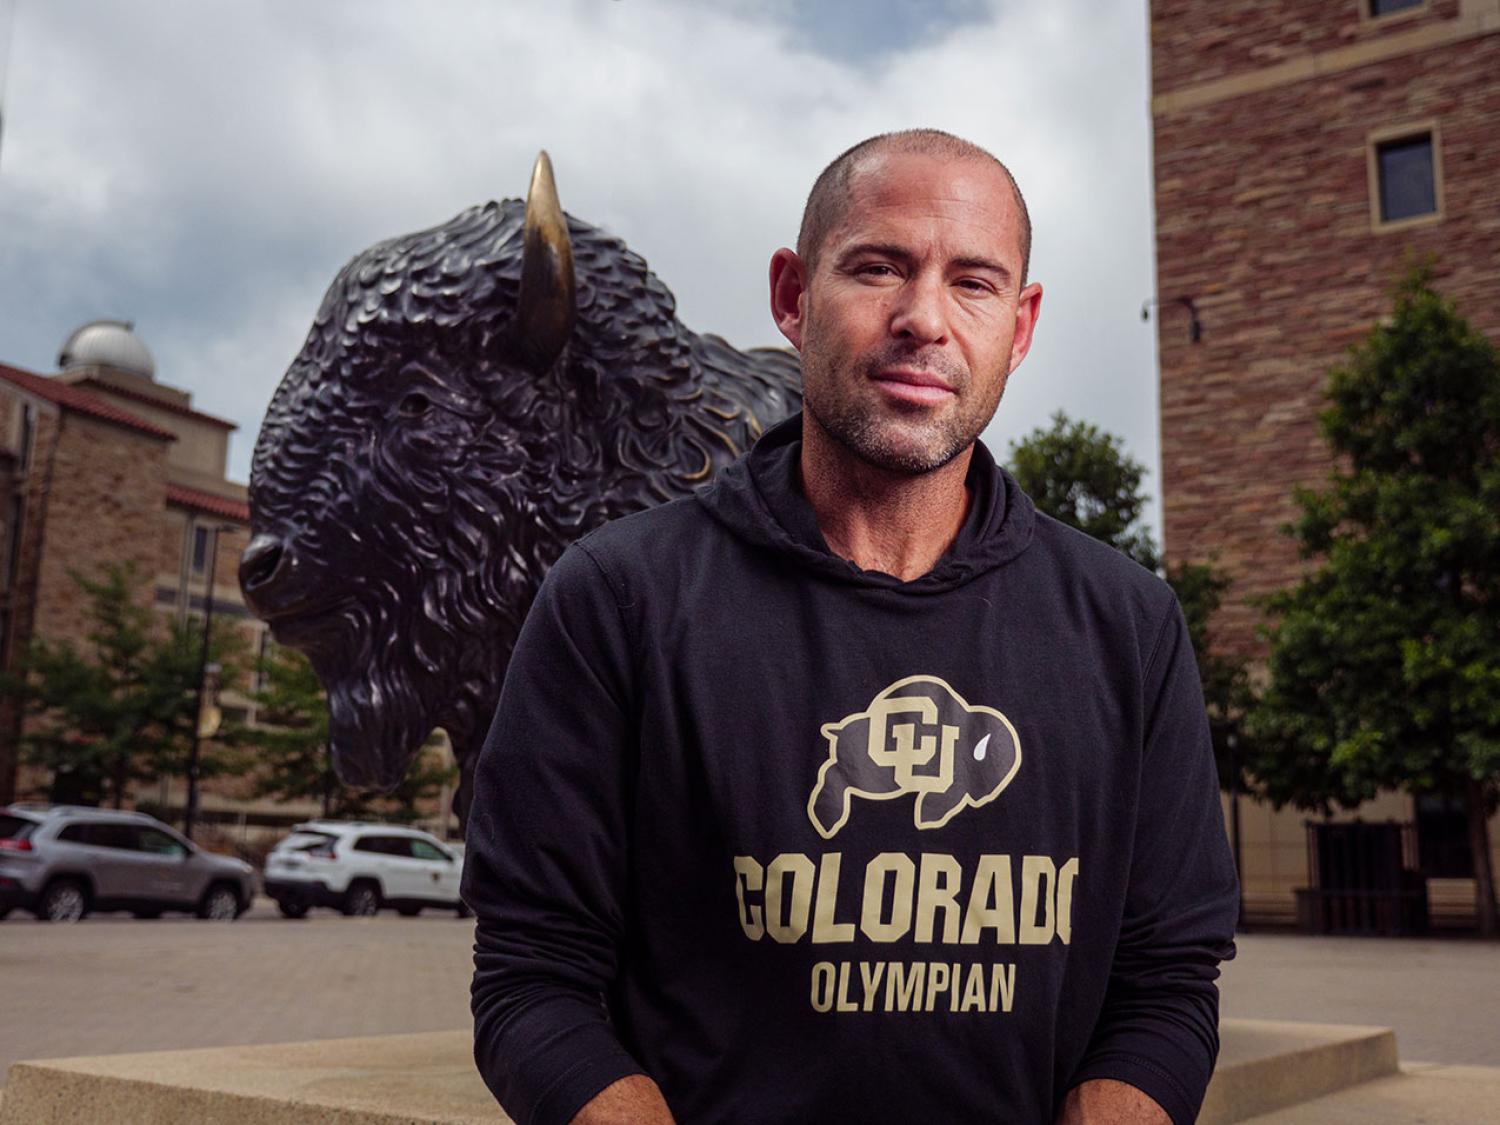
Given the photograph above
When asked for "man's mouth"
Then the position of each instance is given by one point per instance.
(913, 385)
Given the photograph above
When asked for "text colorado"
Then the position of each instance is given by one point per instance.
(929, 898)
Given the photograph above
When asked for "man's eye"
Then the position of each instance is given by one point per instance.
(876, 269)
(974, 285)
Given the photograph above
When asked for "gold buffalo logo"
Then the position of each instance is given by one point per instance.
(917, 736)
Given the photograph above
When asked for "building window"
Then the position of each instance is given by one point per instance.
(1406, 181)
(1407, 185)
(17, 525)
(28, 437)
(1443, 838)
(1380, 8)
(200, 549)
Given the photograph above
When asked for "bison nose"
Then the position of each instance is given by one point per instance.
(259, 563)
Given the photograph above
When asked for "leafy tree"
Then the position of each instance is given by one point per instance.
(1385, 660)
(119, 709)
(292, 758)
(1227, 693)
(290, 737)
(424, 782)
(1082, 476)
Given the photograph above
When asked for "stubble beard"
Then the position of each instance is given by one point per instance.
(885, 436)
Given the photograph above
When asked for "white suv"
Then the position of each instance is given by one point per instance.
(360, 868)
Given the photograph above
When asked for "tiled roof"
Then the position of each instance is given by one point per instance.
(72, 398)
(223, 506)
(169, 407)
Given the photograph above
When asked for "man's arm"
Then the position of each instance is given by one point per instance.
(546, 865)
(1103, 1101)
(630, 1101)
(1158, 1030)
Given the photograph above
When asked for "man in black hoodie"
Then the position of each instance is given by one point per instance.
(853, 789)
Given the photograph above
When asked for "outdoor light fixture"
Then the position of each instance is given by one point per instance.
(190, 812)
(1195, 326)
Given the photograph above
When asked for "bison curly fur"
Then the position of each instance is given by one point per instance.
(419, 478)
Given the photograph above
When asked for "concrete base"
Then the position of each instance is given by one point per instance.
(430, 1078)
(1266, 1065)
(1431, 1093)
(381, 1079)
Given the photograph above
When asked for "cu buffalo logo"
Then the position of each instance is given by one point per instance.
(918, 736)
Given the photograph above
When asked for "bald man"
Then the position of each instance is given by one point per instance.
(852, 788)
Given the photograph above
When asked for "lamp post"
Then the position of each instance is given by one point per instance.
(1234, 819)
(1195, 326)
(190, 812)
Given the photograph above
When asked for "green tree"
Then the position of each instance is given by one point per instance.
(1082, 476)
(290, 738)
(118, 709)
(424, 781)
(291, 755)
(1385, 659)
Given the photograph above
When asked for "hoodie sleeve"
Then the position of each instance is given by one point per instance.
(545, 871)
(1159, 1027)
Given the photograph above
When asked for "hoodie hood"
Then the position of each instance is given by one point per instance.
(760, 499)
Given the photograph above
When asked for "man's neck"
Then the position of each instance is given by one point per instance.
(896, 523)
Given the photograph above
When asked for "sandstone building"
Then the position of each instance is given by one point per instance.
(1305, 154)
(101, 464)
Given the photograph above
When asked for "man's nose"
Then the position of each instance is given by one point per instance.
(920, 316)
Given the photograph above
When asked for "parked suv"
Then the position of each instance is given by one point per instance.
(62, 861)
(359, 868)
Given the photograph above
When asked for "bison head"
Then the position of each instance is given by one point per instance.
(469, 400)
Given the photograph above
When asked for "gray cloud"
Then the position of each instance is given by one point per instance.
(203, 169)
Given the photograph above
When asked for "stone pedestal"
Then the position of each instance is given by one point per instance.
(385, 1079)
(429, 1079)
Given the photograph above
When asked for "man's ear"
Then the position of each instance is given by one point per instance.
(788, 290)
(1028, 308)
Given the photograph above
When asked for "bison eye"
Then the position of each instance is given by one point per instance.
(414, 405)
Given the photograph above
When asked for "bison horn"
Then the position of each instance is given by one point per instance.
(547, 305)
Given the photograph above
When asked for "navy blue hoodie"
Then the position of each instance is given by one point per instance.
(809, 843)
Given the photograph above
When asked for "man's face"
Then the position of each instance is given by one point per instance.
(914, 317)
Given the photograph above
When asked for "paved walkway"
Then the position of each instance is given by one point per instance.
(116, 984)
(1442, 997)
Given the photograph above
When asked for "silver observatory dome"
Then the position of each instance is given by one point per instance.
(107, 343)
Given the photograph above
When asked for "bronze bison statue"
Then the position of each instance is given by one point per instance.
(471, 399)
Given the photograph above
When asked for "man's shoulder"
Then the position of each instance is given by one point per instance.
(645, 541)
(627, 536)
(1084, 562)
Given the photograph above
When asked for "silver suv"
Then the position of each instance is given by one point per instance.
(62, 861)
(359, 868)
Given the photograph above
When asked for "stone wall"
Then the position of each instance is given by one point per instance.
(1264, 220)
(107, 495)
(25, 523)
(1194, 42)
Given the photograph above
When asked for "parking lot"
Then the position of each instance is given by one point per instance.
(113, 984)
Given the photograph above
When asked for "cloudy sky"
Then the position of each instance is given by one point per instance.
(203, 168)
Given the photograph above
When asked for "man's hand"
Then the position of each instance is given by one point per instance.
(1103, 1101)
(631, 1101)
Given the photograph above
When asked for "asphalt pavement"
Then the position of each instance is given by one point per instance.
(116, 984)
(1442, 997)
